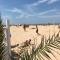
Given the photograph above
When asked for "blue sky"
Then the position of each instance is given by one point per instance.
(30, 11)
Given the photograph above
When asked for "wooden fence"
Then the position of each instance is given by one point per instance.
(7, 41)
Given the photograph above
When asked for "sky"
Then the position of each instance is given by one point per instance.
(30, 11)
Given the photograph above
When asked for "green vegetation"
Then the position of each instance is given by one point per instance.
(46, 47)
(1, 40)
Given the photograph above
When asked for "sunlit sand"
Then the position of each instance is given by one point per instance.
(18, 35)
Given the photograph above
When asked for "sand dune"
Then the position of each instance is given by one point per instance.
(18, 35)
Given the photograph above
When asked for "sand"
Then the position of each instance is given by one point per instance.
(18, 35)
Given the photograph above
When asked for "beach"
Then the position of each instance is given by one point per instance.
(18, 35)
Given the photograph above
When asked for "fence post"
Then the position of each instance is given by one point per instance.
(8, 39)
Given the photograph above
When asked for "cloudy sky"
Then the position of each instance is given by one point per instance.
(30, 11)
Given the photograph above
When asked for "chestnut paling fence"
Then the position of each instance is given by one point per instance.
(7, 54)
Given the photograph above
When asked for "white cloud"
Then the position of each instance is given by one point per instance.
(41, 14)
(23, 14)
(15, 10)
(52, 1)
(32, 7)
(48, 11)
(37, 3)
(31, 10)
(49, 16)
(40, 2)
